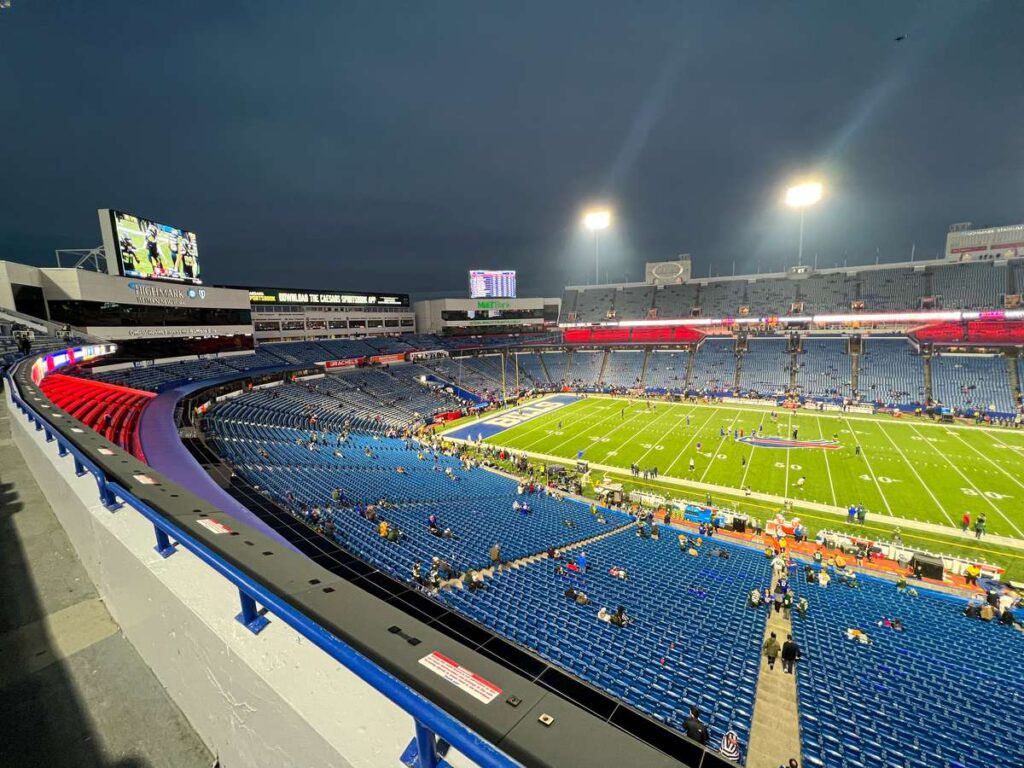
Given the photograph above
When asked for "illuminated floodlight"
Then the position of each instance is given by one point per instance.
(804, 194)
(597, 218)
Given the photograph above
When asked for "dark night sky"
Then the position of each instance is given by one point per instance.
(393, 145)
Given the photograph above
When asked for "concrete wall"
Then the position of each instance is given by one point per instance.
(23, 274)
(267, 700)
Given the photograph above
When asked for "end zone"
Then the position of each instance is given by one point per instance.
(489, 426)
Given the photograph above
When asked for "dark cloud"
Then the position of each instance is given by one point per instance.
(393, 145)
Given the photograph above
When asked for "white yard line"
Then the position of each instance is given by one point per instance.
(868, 465)
(623, 423)
(909, 463)
(636, 435)
(720, 444)
(663, 436)
(789, 431)
(750, 460)
(828, 469)
(973, 486)
(986, 458)
(585, 418)
(616, 413)
(540, 422)
(690, 441)
(994, 435)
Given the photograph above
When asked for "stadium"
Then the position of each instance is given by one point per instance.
(570, 526)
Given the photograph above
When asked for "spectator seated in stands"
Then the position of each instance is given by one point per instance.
(858, 636)
(443, 568)
(620, 618)
(580, 598)
(472, 581)
(388, 531)
(618, 573)
(755, 598)
(848, 578)
(973, 608)
(894, 624)
(730, 747)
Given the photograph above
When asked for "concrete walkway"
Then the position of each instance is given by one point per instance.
(839, 512)
(73, 690)
(775, 729)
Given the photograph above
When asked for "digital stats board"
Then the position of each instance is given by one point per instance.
(143, 248)
(492, 284)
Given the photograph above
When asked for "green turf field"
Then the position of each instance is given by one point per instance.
(908, 468)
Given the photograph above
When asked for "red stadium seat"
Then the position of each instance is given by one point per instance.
(91, 401)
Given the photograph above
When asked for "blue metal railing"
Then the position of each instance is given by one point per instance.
(430, 720)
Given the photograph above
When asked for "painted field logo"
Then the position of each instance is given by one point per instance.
(527, 412)
(785, 442)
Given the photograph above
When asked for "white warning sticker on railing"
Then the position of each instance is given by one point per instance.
(213, 525)
(461, 678)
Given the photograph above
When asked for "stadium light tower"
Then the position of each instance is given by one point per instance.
(803, 196)
(596, 219)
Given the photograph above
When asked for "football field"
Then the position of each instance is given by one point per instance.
(906, 467)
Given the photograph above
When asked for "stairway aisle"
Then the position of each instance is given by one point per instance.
(643, 370)
(604, 365)
(544, 367)
(775, 730)
(926, 361)
(526, 560)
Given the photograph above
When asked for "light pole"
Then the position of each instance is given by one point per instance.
(596, 219)
(803, 196)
